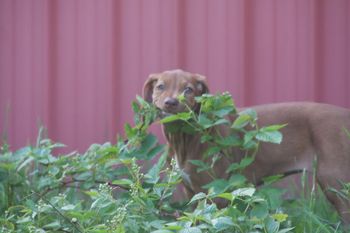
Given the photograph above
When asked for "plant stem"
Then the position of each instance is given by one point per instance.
(58, 211)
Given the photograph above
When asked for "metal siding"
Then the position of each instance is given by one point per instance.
(75, 66)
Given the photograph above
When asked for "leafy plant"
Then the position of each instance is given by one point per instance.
(102, 190)
(129, 186)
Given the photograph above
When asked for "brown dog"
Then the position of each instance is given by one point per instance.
(314, 131)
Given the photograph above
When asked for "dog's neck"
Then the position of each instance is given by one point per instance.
(181, 143)
(188, 146)
(185, 147)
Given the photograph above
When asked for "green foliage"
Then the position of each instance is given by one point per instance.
(110, 187)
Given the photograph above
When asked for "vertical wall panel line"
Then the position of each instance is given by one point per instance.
(318, 42)
(182, 33)
(13, 81)
(52, 67)
(274, 56)
(347, 49)
(248, 49)
(115, 88)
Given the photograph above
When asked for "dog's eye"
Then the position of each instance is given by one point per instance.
(160, 87)
(188, 90)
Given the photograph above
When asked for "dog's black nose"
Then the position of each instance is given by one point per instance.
(171, 102)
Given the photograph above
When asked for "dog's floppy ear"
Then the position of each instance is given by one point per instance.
(201, 84)
(148, 87)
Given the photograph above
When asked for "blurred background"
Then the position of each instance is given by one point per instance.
(74, 66)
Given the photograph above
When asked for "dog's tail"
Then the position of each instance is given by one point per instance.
(282, 176)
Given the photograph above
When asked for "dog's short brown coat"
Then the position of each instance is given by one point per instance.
(314, 131)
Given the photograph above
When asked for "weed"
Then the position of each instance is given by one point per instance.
(106, 189)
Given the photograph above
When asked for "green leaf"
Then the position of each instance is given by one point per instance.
(267, 136)
(154, 151)
(217, 186)
(173, 226)
(148, 148)
(119, 229)
(53, 225)
(149, 142)
(191, 230)
(220, 122)
(241, 121)
(4, 175)
(286, 230)
(68, 207)
(54, 170)
(212, 151)
(249, 136)
(260, 211)
(246, 161)
(273, 196)
(3, 197)
(24, 220)
(272, 225)
(181, 98)
(280, 217)
(152, 176)
(158, 224)
(222, 223)
(170, 118)
(237, 180)
(232, 140)
(227, 196)
(129, 131)
(162, 231)
(233, 167)
(206, 138)
(244, 118)
(273, 127)
(250, 112)
(135, 107)
(198, 196)
(202, 166)
(184, 116)
(27, 161)
(242, 192)
(270, 134)
(7, 225)
(15, 179)
(92, 193)
(272, 179)
(123, 182)
(141, 101)
(224, 111)
(204, 121)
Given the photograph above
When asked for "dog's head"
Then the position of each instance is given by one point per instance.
(163, 90)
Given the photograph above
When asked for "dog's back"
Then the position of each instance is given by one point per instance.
(314, 133)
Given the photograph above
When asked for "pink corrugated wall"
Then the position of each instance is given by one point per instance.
(75, 66)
